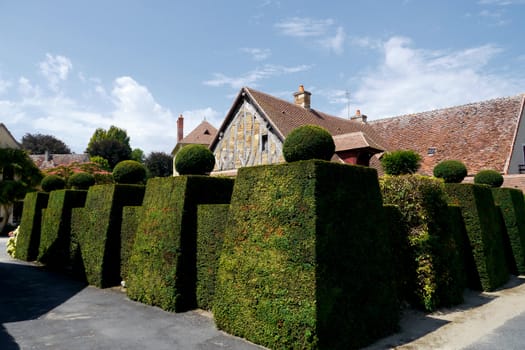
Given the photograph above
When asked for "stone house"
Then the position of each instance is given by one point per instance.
(8, 141)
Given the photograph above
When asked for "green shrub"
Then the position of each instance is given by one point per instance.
(162, 266)
(130, 221)
(400, 162)
(436, 279)
(194, 160)
(28, 238)
(308, 142)
(11, 243)
(481, 219)
(55, 238)
(300, 255)
(452, 171)
(81, 181)
(512, 206)
(489, 177)
(52, 183)
(211, 223)
(129, 172)
(98, 231)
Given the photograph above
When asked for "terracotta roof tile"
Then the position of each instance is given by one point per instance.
(355, 140)
(55, 160)
(203, 134)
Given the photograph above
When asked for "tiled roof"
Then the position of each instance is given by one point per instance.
(54, 160)
(478, 134)
(203, 134)
(355, 140)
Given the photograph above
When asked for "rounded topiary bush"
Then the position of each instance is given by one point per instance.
(81, 181)
(129, 172)
(452, 171)
(400, 162)
(489, 177)
(308, 142)
(52, 182)
(194, 160)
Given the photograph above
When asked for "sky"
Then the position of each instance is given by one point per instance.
(70, 67)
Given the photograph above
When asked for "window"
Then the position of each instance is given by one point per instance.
(431, 151)
(264, 141)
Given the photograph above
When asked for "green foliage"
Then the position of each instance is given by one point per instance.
(436, 277)
(211, 223)
(130, 221)
(129, 172)
(40, 144)
(101, 162)
(28, 238)
(159, 164)
(52, 183)
(401, 162)
(481, 220)
(300, 255)
(98, 228)
(138, 155)
(55, 239)
(162, 267)
(81, 181)
(194, 160)
(489, 177)
(512, 206)
(452, 171)
(308, 142)
(112, 145)
(11, 242)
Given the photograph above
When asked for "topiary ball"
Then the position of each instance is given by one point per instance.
(129, 172)
(489, 177)
(308, 142)
(401, 162)
(452, 171)
(81, 181)
(194, 160)
(52, 182)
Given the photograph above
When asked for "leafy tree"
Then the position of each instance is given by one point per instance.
(39, 144)
(401, 162)
(159, 164)
(112, 145)
(19, 175)
(138, 155)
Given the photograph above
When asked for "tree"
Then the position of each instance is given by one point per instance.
(19, 174)
(138, 155)
(112, 145)
(401, 162)
(39, 144)
(159, 164)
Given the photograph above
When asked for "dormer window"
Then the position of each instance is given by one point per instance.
(431, 151)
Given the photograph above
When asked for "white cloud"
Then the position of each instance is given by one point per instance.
(501, 2)
(413, 80)
(251, 78)
(256, 53)
(26, 88)
(55, 69)
(4, 85)
(335, 43)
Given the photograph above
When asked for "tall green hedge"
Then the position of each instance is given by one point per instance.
(481, 219)
(55, 239)
(436, 279)
(162, 266)
(306, 261)
(130, 220)
(99, 228)
(512, 206)
(211, 223)
(28, 238)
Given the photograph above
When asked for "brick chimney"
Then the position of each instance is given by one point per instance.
(180, 128)
(302, 97)
(359, 117)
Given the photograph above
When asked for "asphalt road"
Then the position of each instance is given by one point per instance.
(44, 310)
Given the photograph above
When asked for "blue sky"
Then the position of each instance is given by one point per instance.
(69, 67)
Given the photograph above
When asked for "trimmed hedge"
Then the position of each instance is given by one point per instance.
(52, 183)
(211, 224)
(308, 142)
(489, 177)
(98, 232)
(129, 172)
(128, 229)
(194, 159)
(481, 219)
(512, 207)
(81, 181)
(28, 238)
(401, 162)
(452, 171)
(162, 266)
(436, 279)
(55, 239)
(302, 264)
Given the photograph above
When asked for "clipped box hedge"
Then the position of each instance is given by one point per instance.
(130, 221)
(482, 224)
(512, 207)
(306, 262)
(211, 223)
(55, 239)
(162, 266)
(28, 239)
(97, 231)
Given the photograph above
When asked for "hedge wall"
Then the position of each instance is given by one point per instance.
(481, 219)
(211, 223)
(55, 239)
(98, 232)
(28, 238)
(512, 206)
(436, 279)
(162, 266)
(306, 260)
(130, 221)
